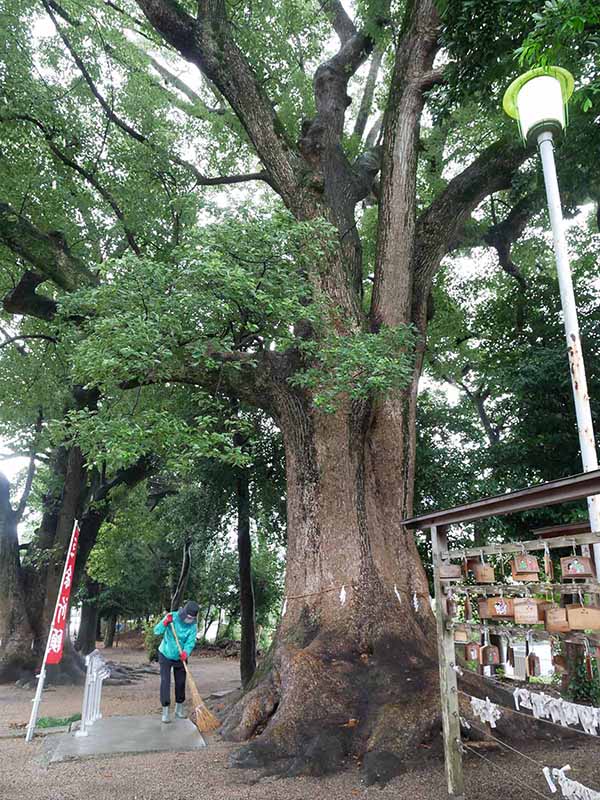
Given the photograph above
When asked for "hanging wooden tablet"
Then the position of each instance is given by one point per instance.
(450, 571)
(525, 611)
(557, 620)
(461, 636)
(468, 609)
(577, 567)
(525, 564)
(583, 618)
(484, 573)
(489, 656)
(589, 666)
(534, 667)
(501, 607)
(472, 651)
(483, 608)
(523, 577)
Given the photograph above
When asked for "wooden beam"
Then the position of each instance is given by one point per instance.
(516, 589)
(518, 547)
(448, 681)
(576, 487)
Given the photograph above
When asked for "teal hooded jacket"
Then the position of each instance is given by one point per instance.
(185, 633)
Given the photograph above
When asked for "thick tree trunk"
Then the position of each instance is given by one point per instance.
(90, 614)
(353, 666)
(247, 614)
(16, 634)
(109, 633)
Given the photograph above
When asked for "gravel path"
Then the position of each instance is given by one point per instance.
(205, 775)
(141, 697)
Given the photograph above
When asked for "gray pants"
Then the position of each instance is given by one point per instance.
(166, 665)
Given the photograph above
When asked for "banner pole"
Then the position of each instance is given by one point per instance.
(42, 675)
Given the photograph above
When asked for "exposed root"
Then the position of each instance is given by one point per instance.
(317, 709)
(251, 714)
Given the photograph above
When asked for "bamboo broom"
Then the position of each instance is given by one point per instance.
(201, 716)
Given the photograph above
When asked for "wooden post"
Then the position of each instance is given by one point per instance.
(448, 682)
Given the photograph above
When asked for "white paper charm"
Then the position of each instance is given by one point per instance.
(522, 699)
(588, 719)
(486, 710)
(571, 789)
(343, 595)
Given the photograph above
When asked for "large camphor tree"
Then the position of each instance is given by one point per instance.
(380, 196)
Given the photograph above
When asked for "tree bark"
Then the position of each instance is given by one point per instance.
(16, 634)
(109, 633)
(247, 613)
(184, 575)
(90, 618)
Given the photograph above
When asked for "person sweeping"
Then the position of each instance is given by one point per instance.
(179, 627)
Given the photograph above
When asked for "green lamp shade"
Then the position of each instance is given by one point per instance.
(538, 100)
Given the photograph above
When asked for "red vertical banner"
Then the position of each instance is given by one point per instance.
(56, 637)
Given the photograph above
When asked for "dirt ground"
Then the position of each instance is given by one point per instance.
(205, 774)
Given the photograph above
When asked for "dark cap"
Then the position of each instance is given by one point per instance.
(189, 609)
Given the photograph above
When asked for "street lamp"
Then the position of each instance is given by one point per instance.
(538, 101)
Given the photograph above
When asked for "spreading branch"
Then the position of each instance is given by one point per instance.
(22, 504)
(127, 476)
(47, 252)
(374, 132)
(251, 380)
(369, 92)
(415, 53)
(23, 299)
(440, 224)
(86, 174)
(198, 107)
(206, 41)
(502, 235)
(342, 24)
(201, 180)
(24, 337)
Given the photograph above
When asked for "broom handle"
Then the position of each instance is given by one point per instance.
(180, 650)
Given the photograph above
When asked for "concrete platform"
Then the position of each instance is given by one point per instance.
(117, 735)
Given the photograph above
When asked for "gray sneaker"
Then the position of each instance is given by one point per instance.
(165, 714)
(179, 712)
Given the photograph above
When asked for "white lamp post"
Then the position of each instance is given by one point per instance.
(538, 101)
